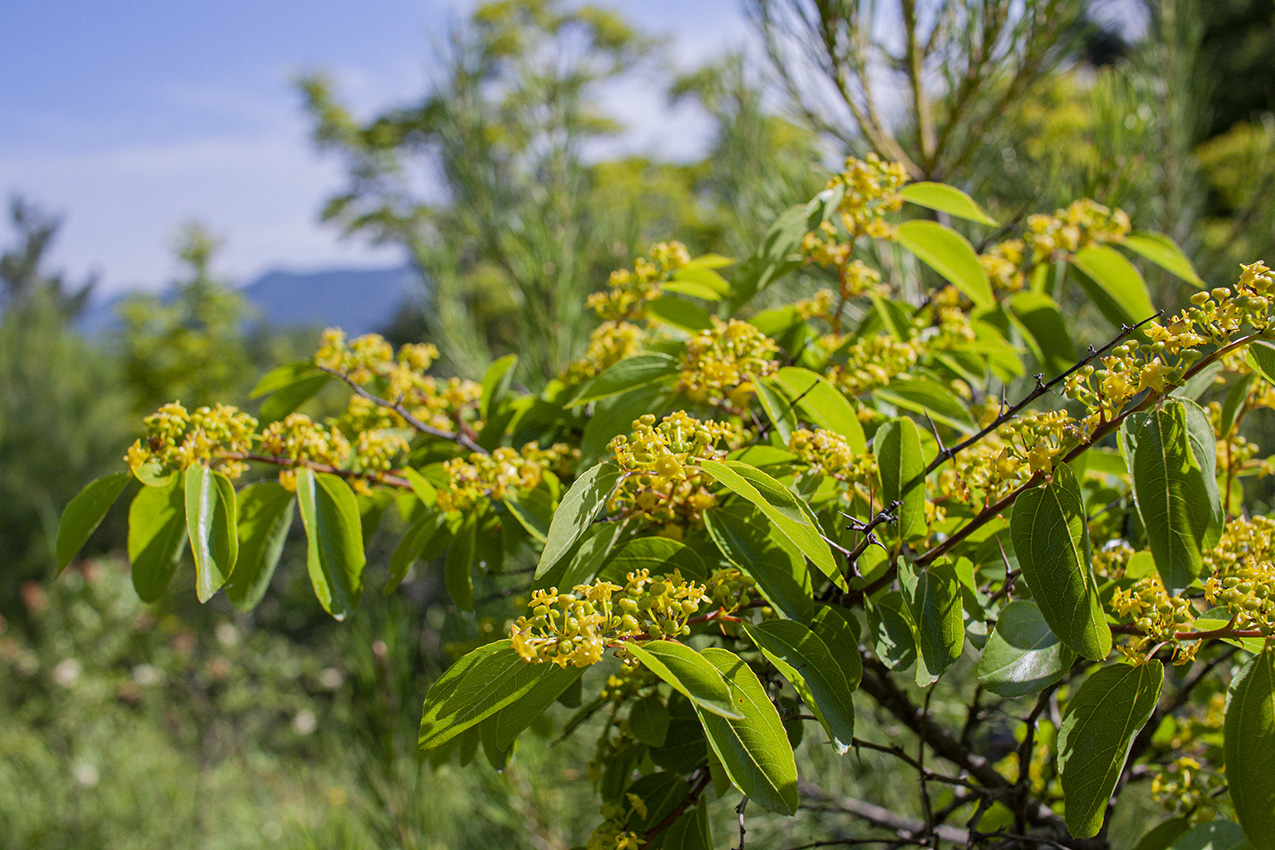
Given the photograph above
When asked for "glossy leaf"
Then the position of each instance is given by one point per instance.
(897, 446)
(499, 731)
(832, 624)
(421, 486)
(476, 687)
(1214, 835)
(927, 397)
(947, 199)
(779, 409)
(625, 375)
(580, 504)
(749, 541)
(211, 520)
(458, 568)
(265, 517)
(807, 663)
(1114, 284)
(951, 255)
(85, 513)
(679, 313)
(1098, 728)
(1051, 541)
(1164, 252)
(753, 748)
(533, 509)
(790, 515)
(821, 404)
(334, 537)
(933, 600)
(1022, 656)
(1172, 460)
(893, 640)
(1249, 736)
(659, 555)
(156, 537)
(688, 673)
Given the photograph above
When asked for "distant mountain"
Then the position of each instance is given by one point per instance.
(357, 300)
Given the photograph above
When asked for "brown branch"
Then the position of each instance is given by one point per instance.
(350, 475)
(879, 815)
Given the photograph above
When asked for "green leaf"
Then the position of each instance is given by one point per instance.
(410, 547)
(692, 289)
(499, 731)
(476, 687)
(496, 381)
(156, 537)
(421, 486)
(893, 640)
(211, 520)
(334, 535)
(533, 509)
(615, 415)
(944, 198)
(1051, 540)
(1172, 459)
(580, 504)
(807, 662)
(1164, 252)
(85, 513)
(778, 408)
(928, 398)
(951, 255)
(832, 624)
(1114, 284)
(284, 376)
(458, 568)
(625, 375)
(897, 447)
(789, 514)
(265, 517)
(289, 386)
(1041, 317)
(777, 255)
(753, 747)
(1249, 748)
(689, 832)
(821, 404)
(1098, 729)
(1214, 835)
(689, 674)
(749, 541)
(1022, 656)
(659, 555)
(679, 313)
(1163, 834)
(933, 598)
(703, 274)
(649, 720)
(1262, 355)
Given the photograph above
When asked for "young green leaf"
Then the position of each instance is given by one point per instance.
(458, 568)
(928, 397)
(265, 517)
(1098, 729)
(334, 535)
(1022, 656)
(625, 375)
(806, 662)
(821, 404)
(1249, 748)
(496, 381)
(951, 255)
(580, 504)
(897, 447)
(1172, 460)
(156, 537)
(933, 598)
(476, 687)
(211, 520)
(944, 198)
(1114, 284)
(790, 515)
(778, 408)
(752, 747)
(1043, 321)
(421, 486)
(1164, 252)
(689, 674)
(85, 513)
(1051, 541)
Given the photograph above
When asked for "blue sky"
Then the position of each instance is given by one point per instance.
(130, 117)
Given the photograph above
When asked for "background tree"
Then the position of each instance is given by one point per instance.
(22, 265)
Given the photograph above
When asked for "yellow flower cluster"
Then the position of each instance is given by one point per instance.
(1158, 616)
(300, 439)
(1003, 264)
(1185, 788)
(659, 480)
(609, 343)
(1242, 575)
(824, 452)
(629, 291)
(1067, 231)
(575, 628)
(1111, 560)
(613, 833)
(871, 191)
(176, 439)
(370, 358)
(1008, 457)
(873, 362)
(492, 476)
(722, 362)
